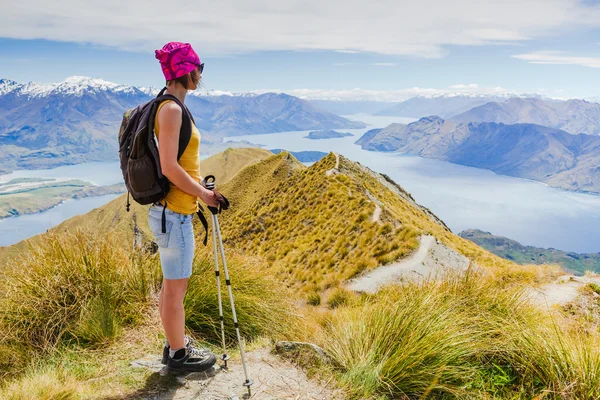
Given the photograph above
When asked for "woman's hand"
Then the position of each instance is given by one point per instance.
(208, 197)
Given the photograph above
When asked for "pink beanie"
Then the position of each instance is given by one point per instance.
(177, 59)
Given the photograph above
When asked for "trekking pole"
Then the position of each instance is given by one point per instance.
(225, 356)
(209, 182)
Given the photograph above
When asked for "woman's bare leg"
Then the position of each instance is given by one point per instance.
(171, 310)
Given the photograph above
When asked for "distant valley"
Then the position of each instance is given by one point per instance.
(549, 155)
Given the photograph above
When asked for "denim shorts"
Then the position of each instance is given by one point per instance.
(176, 246)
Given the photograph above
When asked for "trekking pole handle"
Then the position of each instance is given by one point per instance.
(209, 182)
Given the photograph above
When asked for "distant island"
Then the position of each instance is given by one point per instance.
(32, 195)
(327, 134)
(516, 252)
(303, 156)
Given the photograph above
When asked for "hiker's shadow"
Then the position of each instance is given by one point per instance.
(163, 385)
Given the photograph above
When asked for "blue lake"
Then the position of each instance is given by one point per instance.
(15, 229)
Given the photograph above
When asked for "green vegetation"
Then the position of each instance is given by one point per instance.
(315, 230)
(339, 297)
(516, 252)
(76, 289)
(19, 197)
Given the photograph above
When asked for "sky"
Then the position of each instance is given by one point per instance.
(377, 50)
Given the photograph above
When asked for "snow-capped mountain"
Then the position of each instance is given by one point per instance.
(73, 85)
(77, 120)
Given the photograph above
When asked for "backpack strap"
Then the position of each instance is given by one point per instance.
(204, 223)
(185, 134)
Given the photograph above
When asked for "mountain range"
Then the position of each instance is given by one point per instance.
(74, 121)
(573, 116)
(546, 154)
(444, 106)
(516, 252)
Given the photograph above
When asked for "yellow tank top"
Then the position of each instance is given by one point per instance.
(178, 200)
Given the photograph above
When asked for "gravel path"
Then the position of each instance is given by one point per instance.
(431, 259)
(274, 378)
(562, 291)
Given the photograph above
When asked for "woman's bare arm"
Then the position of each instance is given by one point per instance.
(169, 120)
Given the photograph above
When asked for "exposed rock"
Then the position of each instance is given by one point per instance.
(285, 348)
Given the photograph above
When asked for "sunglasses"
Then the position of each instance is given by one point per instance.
(201, 67)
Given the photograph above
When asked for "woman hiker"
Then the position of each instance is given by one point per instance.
(182, 70)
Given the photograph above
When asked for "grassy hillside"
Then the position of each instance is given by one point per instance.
(515, 251)
(317, 230)
(226, 164)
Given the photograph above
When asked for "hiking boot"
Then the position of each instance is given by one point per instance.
(188, 342)
(191, 359)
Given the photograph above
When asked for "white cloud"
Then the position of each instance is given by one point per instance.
(394, 95)
(384, 64)
(401, 27)
(558, 58)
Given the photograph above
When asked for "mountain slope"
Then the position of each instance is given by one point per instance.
(522, 150)
(226, 164)
(573, 116)
(320, 226)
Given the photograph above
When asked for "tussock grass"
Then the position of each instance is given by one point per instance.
(339, 297)
(44, 384)
(313, 299)
(263, 306)
(465, 337)
(73, 288)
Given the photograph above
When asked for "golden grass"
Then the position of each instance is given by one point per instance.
(227, 164)
(315, 231)
(264, 307)
(464, 337)
(73, 287)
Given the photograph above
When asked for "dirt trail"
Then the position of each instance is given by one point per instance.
(432, 258)
(565, 289)
(335, 169)
(274, 378)
(376, 213)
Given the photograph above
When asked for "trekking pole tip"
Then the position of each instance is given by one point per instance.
(248, 383)
(224, 358)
